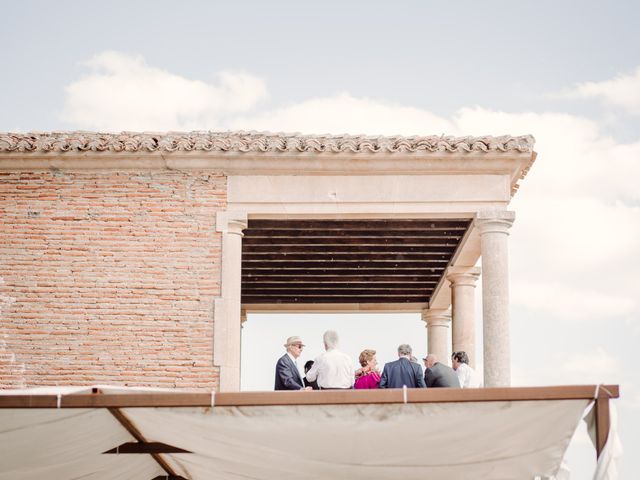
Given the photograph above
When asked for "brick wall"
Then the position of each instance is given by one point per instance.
(112, 277)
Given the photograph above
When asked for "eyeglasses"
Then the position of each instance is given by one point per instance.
(297, 345)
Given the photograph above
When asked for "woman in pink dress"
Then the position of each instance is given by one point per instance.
(368, 376)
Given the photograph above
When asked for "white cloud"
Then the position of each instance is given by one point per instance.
(575, 158)
(567, 302)
(594, 367)
(622, 91)
(345, 113)
(573, 367)
(122, 92)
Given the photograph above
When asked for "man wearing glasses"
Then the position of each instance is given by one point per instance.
(287, 373)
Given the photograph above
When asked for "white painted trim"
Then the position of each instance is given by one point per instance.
(514, 165)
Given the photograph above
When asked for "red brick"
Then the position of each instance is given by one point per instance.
(114, 276)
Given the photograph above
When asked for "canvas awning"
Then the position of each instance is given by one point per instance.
(106, 432)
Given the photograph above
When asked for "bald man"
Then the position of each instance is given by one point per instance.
(439, 375)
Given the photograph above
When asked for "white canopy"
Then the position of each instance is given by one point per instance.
(514, 439)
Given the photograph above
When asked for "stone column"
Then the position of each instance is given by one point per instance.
(493, 226)
(438, 321)
(227, 320)
(463, 284)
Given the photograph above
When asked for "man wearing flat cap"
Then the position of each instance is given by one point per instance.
(287, 374)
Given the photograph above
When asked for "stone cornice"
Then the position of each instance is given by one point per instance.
(255, 143)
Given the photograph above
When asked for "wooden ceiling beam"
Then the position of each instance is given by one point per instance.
(344, 257)
(306, 300)
(339, 290)
(388, 239)
(345, 249)
(363, 292)
(350, 264)
(368, 224)
(320, 283)
(295, 233)
(250, 280)
(320, 270)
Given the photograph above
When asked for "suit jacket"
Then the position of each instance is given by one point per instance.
(402, 372)
(287, 375)
(441, 375)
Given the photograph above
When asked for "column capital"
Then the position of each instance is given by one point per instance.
(231, 222)
(437, 317)
(462, 276)
(494, 221)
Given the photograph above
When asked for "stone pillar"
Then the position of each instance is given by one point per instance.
(438, 321)
(463, 284)
(493, 226)
(227, 320)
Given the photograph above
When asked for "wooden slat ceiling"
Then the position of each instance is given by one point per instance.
(346, 261)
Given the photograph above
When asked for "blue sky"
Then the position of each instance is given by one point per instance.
(433, 55)
(566, 72)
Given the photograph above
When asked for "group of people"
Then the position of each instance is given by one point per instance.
(333, 369)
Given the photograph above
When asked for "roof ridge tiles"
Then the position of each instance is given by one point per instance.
(256, 142)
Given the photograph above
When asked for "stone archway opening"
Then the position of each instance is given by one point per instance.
(376, 270)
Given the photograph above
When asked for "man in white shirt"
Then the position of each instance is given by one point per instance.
(333, 369)
(466, 375)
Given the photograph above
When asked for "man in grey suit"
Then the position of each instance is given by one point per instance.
(402, 372)
(437, 374)
(287, 374)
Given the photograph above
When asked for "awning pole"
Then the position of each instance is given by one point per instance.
(603, 418)
(133, 430)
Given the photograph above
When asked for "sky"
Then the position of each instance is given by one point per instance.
(566, 72)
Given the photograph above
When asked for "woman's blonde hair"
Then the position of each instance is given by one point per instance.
(365, 356)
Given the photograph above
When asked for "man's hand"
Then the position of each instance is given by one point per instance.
(306, 389)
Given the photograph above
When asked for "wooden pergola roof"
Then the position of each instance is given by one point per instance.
(346, 261)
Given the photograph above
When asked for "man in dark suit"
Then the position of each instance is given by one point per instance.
(402, 372)
(437, 374)
(287, 373)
